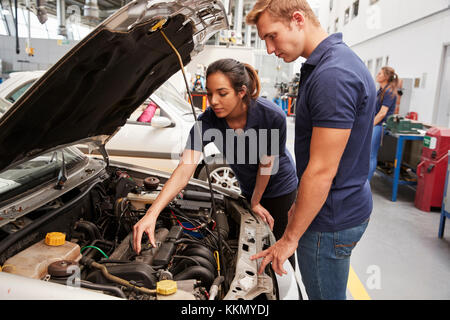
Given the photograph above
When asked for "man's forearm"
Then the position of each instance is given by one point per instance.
(312, 194)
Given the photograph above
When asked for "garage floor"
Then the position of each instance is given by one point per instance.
(400, 256)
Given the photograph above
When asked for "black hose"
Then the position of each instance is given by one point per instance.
(222, 224)
(105, 272)
(215, 287)
(198, 260)
(182, 264)
(193, 240)
(15, 237)
(199, 250)
(218, 281)
(89, 227)
(222, 230)
(103, 287)
(196, 272)
(94, 286)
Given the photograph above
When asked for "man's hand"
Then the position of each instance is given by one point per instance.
(264, 214)
(277, 254)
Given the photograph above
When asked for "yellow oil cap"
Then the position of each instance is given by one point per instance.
(55, 239)
(166, 287)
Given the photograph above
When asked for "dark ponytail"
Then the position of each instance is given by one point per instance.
(254, 86)
(239, 74)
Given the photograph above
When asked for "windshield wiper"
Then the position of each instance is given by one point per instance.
(62, 175)
(53, 158)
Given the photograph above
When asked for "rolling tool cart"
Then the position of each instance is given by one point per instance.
(445, 203)
(432, 169)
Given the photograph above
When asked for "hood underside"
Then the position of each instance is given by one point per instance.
(96, 86)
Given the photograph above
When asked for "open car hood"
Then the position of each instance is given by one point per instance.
(91, 91)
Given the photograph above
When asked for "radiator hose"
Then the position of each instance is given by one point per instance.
(91, 263)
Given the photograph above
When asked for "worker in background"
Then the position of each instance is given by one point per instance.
(333, 132)
(198, 83)
(265, 169)
(385, 107)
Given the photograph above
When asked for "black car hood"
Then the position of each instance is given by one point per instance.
(94, 88)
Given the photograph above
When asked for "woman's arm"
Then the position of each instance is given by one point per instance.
(380, 116)
(262, 179)
(178, 180)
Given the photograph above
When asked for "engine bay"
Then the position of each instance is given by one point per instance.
(97, 253)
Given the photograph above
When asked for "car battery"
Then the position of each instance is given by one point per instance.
(432, 169)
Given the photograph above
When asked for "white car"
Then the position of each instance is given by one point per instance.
(66, 219)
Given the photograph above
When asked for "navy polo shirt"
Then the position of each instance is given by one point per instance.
(388, 99)
(264, 134)
(337, 91)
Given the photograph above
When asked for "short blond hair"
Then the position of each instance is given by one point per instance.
(281, 10)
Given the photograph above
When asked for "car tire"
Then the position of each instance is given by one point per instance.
(221, 174)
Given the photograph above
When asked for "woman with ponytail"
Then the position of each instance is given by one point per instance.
(386, 104)
(250, 132)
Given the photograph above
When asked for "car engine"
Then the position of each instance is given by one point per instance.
(96, 250)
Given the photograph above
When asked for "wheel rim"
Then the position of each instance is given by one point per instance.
(225, 178)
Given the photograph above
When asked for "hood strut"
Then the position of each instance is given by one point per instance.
(104, 153)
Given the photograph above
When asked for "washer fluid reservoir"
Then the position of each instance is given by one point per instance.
(33, 262)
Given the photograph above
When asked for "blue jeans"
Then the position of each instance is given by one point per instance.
(324, 261)
(376, 142)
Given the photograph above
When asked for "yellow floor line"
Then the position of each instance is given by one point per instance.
(355, 287)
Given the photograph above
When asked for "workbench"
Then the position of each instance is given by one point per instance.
(395, 180)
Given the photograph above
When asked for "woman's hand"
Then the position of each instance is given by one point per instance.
(264, 214)
(177, 181)
(147, 225)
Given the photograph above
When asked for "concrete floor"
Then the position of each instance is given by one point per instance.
(400, 257)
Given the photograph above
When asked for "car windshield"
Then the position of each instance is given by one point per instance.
(20, 91)
(170, 95)
(35, 172)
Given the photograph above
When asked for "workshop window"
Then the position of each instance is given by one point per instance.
(347, 16)
(355, 9)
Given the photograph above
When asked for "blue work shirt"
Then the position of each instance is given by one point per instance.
(388, 99)
(264, 134)
(337, 91)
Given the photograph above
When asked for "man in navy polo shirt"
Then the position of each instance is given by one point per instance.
(334, 122)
